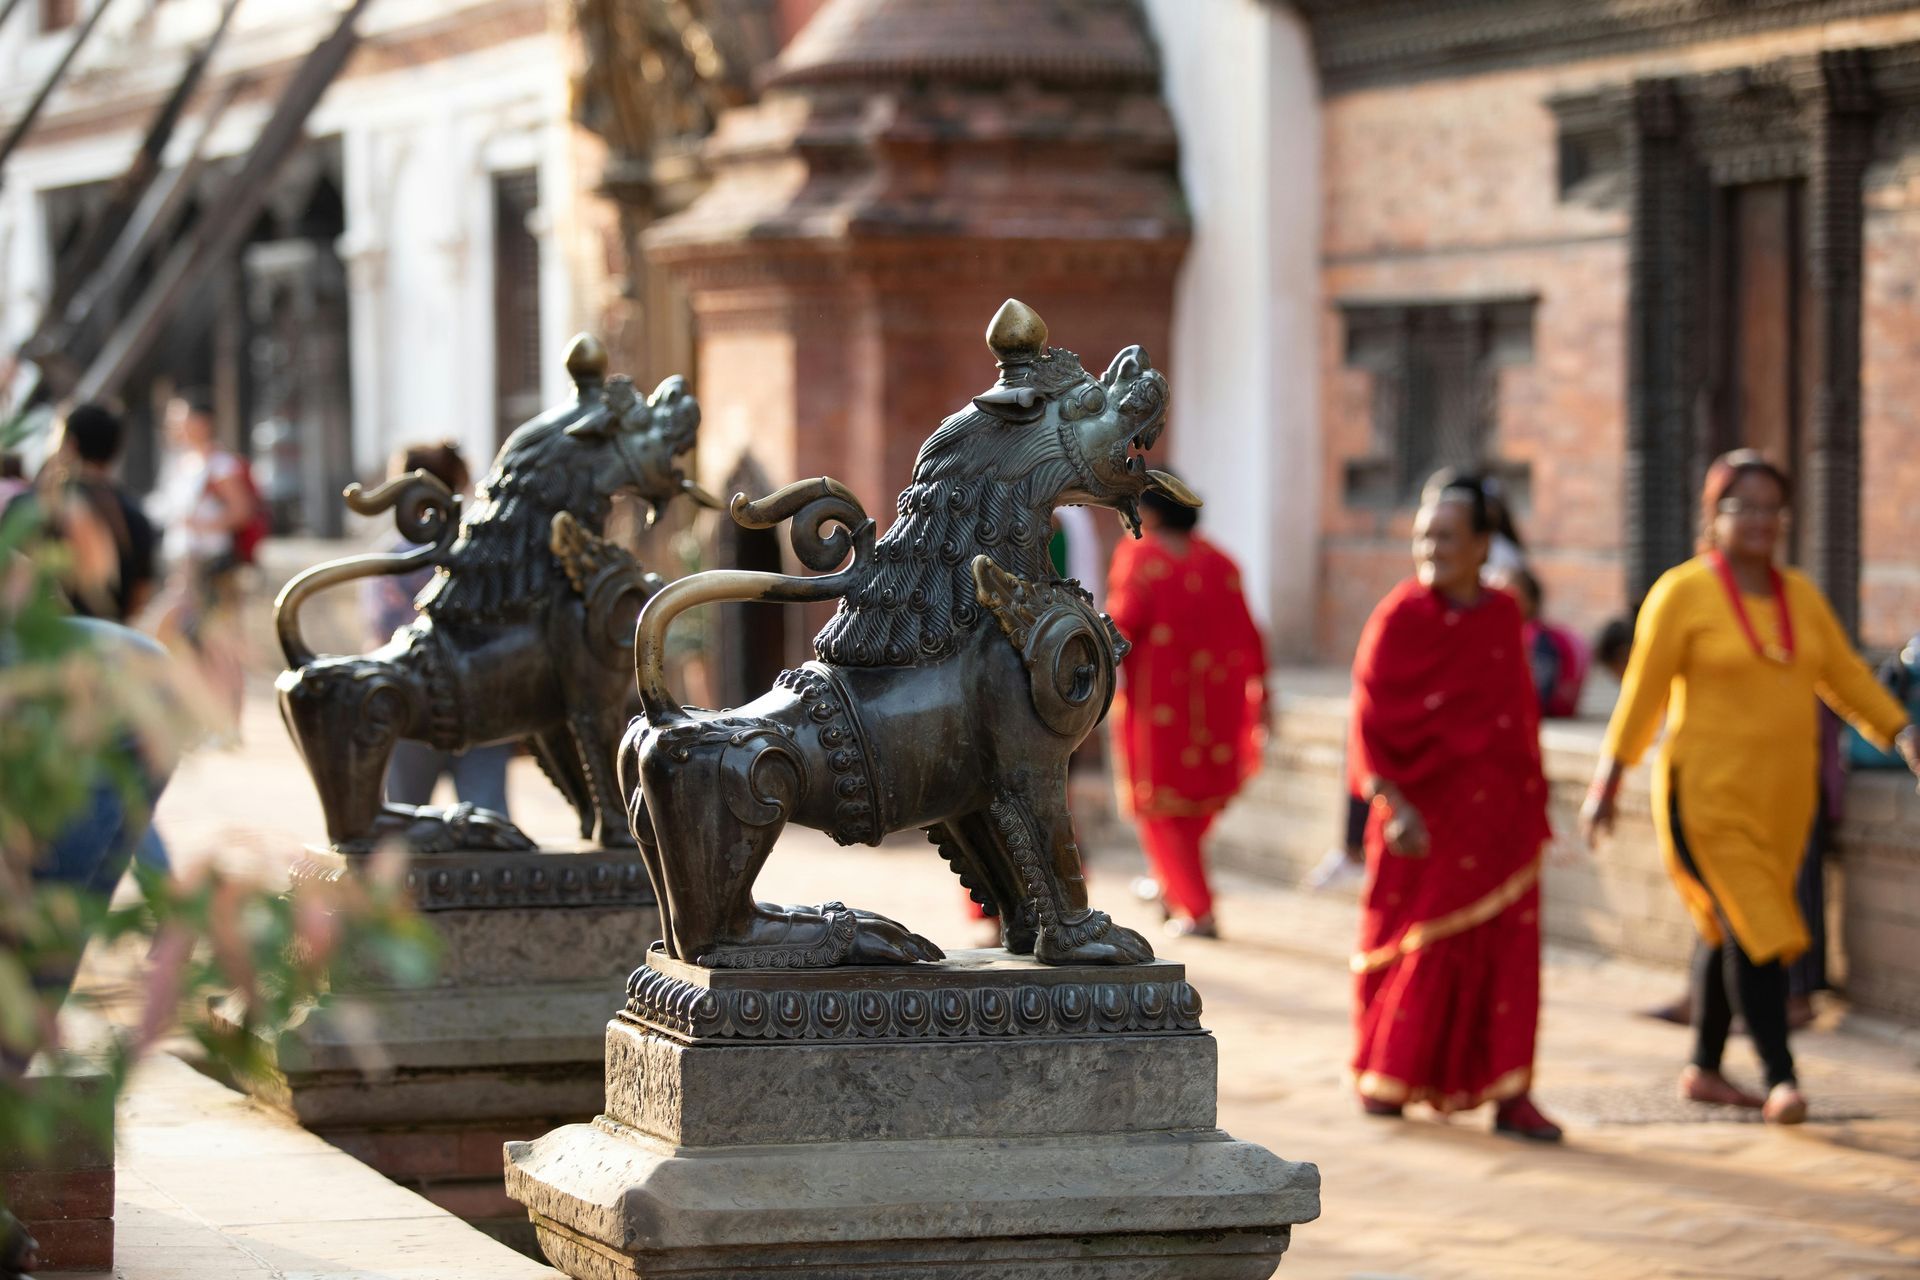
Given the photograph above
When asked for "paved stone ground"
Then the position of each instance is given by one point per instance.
(1644, 1186)
(202, 1194)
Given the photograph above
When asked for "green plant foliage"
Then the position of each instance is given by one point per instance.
(72, 719)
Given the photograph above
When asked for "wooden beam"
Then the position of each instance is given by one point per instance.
(223, 228)
(103, 230)
(156, 216)
(25, 122)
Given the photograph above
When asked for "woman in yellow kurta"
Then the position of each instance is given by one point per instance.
(1734, 651)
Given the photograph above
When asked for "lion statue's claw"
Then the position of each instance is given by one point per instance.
(1092, 939)
(462, 827)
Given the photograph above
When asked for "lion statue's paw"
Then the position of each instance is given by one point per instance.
(460, 828)
(1092, 938)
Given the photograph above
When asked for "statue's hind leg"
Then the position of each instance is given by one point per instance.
(345, 717)
(717, 795)
(640, 821)
(1034, 834)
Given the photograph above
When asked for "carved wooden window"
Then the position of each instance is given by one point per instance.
(1744, 191)
(516, 300)
(1435, 367)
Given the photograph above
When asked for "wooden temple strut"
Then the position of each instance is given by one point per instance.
(25, 122)
(228, 219)
(103, 230)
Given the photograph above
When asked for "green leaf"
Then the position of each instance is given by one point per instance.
(19, 1007)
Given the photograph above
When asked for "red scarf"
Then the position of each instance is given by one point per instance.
(1781, 653)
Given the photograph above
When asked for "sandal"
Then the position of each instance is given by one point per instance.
(1785, 1104)
(1519, 1118)
(1700, 1085)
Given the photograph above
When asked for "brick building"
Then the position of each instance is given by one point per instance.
(1594, 245)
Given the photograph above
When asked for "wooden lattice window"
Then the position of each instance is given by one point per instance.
(516, 300)
(1435, 367)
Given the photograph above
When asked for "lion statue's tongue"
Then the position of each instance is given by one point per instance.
(1172, 487)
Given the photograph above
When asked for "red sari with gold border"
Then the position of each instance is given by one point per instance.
(1448, 968)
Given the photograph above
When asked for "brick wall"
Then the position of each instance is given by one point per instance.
(1890, 409)
(1449, 189)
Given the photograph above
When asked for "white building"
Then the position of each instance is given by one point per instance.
(1238, 76)
(409, 280)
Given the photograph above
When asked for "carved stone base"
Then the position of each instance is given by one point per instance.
(986, 1117)
(424, 1085)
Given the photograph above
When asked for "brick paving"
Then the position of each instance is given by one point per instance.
(1640, 1189)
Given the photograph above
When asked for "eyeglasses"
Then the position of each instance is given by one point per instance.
(1752, 510)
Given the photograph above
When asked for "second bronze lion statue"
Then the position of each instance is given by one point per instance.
(952, 684)
(524, 634)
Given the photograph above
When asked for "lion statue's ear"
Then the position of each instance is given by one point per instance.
(674, 408)
(1011, 404)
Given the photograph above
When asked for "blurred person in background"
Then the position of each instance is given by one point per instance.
(206, 506)
(1445, 749)
(480, 775)
(78, 501)
(1188, 716)
(1556, 656)
(1345, 863)
(109, 572)
(1612, 646)
(1733, 650)
(1506, 549)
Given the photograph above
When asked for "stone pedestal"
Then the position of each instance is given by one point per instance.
(986, 1117)
(424, 1085)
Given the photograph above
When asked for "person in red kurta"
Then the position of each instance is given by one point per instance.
(1187, 718)
(1445, 748)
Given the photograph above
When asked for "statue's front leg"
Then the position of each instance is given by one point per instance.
(596, 737)
(1035, 833)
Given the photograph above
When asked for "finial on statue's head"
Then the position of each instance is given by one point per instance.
(586, 361)
(1018, 337)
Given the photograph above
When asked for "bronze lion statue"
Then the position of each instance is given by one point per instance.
(524, 634)
(952, 683)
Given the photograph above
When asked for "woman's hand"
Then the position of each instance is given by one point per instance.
(1907, 742)
(1406, 833)
(1404, 830)
(1596, 815)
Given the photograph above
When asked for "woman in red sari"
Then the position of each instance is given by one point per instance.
(1187, 719)
(1445, 748)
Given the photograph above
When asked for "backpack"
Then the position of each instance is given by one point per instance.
(1901, 676)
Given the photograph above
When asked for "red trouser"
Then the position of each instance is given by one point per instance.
(1173, 851)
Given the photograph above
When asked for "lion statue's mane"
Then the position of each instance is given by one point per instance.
(500, 567)
(971, 494)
